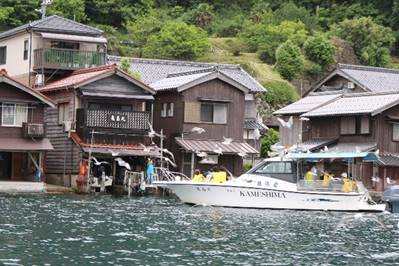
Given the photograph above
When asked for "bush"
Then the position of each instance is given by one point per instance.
(289, 60)
(247, 166)
(375, 56)
(319, 50)
(125, 65)
(270, 138)
(228, 27)
(177, 40)
(279, 93)
(312, 69)
(235, 46)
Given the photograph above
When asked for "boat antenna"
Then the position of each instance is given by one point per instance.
(43, 7)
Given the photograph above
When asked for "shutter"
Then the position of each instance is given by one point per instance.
(365, 125)
(348, 125)
(191, 112)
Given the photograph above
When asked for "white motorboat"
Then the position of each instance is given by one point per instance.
(278, 183)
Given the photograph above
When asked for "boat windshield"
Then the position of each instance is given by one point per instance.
(283, 170)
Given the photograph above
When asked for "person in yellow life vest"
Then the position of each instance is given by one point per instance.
(219, 176)
(326, 179)
(311, 174)
(198, 176)
(347, 184)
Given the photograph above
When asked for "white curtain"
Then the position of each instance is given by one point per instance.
(21, 111)
(220, 113)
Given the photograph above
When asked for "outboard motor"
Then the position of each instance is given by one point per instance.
(391, 197)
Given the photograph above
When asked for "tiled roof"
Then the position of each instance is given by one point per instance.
(308, 103)
(4, 77)
(81, 76)
(353, 147)
(356, 103)
(254, 124)
(375, 79)
(152, 70)
(176, 81)
(77, 77)
(209, 146)
(55, 24)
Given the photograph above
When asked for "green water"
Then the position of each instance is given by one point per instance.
(93, 230)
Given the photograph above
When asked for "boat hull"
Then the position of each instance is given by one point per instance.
(235, 195)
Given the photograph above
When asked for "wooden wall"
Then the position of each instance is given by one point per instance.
(217, 89)
(66, 155)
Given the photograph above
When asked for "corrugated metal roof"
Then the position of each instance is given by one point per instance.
(315, 144)
(209, 146)
(389, 159)
(254, 124)
(306, 104)
(353, 147)
(72, 37)
(356, 103)
(152, 70)
(122, 152)
(55, 24)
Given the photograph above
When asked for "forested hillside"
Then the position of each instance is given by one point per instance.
(271, 39)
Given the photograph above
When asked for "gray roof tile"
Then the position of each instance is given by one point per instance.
(307, 104)
(375, 79)
(353, 147)
(55, 24)
(209, 146)
(152, 70)
(356, 103)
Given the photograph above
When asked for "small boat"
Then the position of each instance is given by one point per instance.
(279, 183)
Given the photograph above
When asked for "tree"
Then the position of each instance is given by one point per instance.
(72, 9)
(177, 40)
(370, 40)
(267, 38)
(289, 60)
(270, 138)
(142, 29)
(319, 50)
(17, 12)
(203, 15)
(291, 12)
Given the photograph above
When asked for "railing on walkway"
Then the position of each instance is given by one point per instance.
(67, 59)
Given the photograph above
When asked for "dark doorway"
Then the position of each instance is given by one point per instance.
(5, 165)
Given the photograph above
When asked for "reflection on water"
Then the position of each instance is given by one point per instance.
(72, 230)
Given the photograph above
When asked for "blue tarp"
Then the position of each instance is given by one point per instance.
(366, 156)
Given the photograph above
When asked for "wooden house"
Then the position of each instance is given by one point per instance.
(50, 48)
(208, 100)
(354, 108)
(102, 112)
(154, 70)
(23, 141)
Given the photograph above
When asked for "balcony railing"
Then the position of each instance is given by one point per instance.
(55, 58)
(114, 119)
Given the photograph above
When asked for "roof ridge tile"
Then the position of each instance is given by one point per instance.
(367, 68)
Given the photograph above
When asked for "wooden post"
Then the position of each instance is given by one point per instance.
(192, 164)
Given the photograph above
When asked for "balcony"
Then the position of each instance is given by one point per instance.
(66, 59)
(113, 119)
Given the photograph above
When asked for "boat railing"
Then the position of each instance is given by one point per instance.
(164, 174)
(331, 185)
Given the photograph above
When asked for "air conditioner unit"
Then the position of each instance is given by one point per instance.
(39, 80)
(33, 130)
(67, 126)
(351, 85)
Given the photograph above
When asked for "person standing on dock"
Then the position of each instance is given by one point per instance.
(150, 171)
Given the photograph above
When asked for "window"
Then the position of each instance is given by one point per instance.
(164, 109)
(275, 168)
(167, 110)
(26, 49)
(171, 109)
(65, 45)
(14, 115)
(348, 125)
(3, 55)
(214, 113)
(395, 132)
(63, 113)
